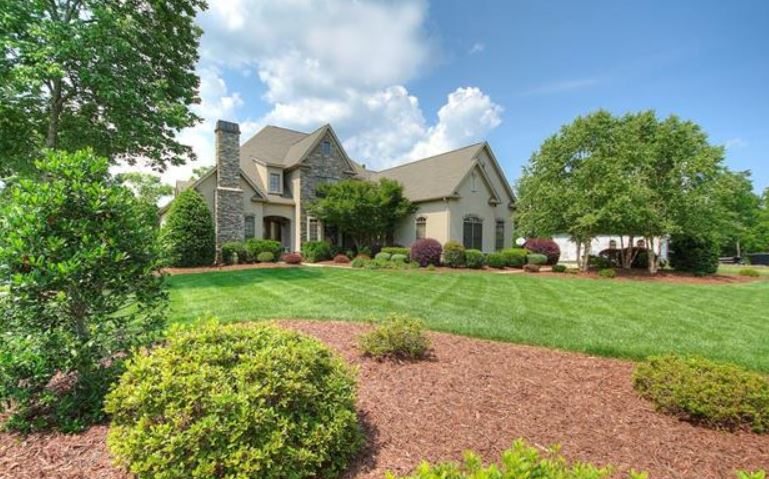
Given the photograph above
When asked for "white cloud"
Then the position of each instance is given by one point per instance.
(477, 47)
(735, 143)
(339, 62)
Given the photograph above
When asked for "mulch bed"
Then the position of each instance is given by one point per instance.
(231, 267)
(669, 277)
(472, 394)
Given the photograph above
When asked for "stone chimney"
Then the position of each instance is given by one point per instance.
(228, 199)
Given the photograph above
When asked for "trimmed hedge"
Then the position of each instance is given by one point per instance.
(314, 251)
(559, 268)
(235, 401)
(229, 250)
(474, 259)
(396, 250)
(426, 252)
(189, 235)
(399, 258)
(536, 258)
(545, 246)
(515, 257)
(398, 336)
(265, 257)
(717, 395)
(694, 255)
(255, 246)
(453, 254)
(382, 256)
(608, 273)
(496, 260)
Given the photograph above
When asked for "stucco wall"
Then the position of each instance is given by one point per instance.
(436, 227)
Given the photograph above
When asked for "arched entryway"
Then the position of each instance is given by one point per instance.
(277, 228)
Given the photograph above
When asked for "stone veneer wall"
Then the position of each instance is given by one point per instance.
(317, 169)
(228, 200)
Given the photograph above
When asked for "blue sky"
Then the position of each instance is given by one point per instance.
(402, 80)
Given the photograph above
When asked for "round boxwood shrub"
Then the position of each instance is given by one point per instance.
(496, 260)
(235, 401)
(255, 246)
(234, 250)
(265, 257)
(474, 259)
(382, 256)
(453, 254)
(545, 246)
(426, 252)
(608, 273)
(399, 258)
(714, 394)
(694, 255)
(536, 258)
(341, 259)
(396, 250)
(515, 257)
(559, 268)
(291, 258)
(188, 235)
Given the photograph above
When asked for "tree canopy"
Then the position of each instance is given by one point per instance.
(114, 75)
(367, 211)
(632, 175)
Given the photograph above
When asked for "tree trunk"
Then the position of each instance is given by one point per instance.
(56, 105)
(739, 252)
(586, 256)
(579, 252)
(651, 255)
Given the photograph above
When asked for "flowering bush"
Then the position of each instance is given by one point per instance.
(292, 258)
(545, 246)
(426, 251)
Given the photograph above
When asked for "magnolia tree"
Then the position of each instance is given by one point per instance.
(633, 175)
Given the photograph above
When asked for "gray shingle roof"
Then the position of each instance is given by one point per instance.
(271, 145)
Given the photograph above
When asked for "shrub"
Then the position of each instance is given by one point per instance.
(341, 259)
(398, 336)
(531, 268)
(382, 256)
(572, 270)
(399, 258)
(545, 246)
(229, 250)
(600, 262)
(314, 251)
(520, 461)
(188, 234)
(79, 257)
(453, 254)
(608, 273)
(515, 257)
(474, 259)
(360, 261)
(426, 252)
(536, 258)
(749, 272)
(396, 250)
(559, 268)
(265, 257)
(496, 260)
(693, 255)
(256, 246)
(714, 394)
(235, 401)
(430, 267)
(291, 258)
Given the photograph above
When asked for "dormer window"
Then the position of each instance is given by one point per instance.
(325, 147)
(276, 183)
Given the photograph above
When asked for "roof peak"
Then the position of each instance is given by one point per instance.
(474, 145)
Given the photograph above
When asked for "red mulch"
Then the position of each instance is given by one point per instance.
(667, 277)
(477, 395)
(231, 267)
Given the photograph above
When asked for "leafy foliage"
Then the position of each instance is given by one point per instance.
(399, 258)
(291, 258)
(474, 259)
(749, 272)
(715, 394)
(188, 234)
(314, 251)
(367, 211)
(114, 75)
(395, 250)
(515, 257)
(608, 273)
(398, 336)
(426, 252)
(536, 258)
(559, 268)
(265, 257)
(496, 260)
(694, 255)
(453, 254)
(520, 461)
(80, 260)
(235, 401)
(545, 246)
(382, 256)
(233, 249)
(256, 246)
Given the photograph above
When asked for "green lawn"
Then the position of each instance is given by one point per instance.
(733, 269)
(607, 317)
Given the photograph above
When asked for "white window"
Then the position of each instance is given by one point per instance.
(421, 228)
(472, 234)
(326, 147)
(313, 229)
(275, 183)
(612, 244)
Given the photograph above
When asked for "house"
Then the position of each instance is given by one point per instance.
(261, 189)
(570, 250)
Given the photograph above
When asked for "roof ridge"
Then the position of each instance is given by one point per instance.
(287, 129)
(432, 157)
